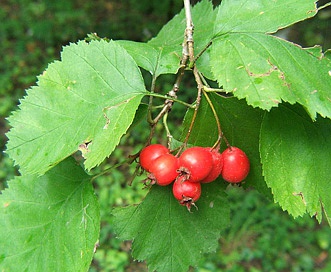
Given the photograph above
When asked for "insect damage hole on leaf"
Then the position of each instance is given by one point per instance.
(272, 69)
(84, 147)
(108, 109)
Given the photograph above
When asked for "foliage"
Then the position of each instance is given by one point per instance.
(96, 94)
(304, 185)
(32, 33)
(102, 66)
(169, 228)
(56, 214)
(263, 238)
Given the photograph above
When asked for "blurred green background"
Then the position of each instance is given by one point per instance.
(261, 238)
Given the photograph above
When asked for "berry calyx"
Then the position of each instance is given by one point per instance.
(195, 163)
(151, 153)
(217, 166)
(186, 191)
(163, 170)
(236, 165)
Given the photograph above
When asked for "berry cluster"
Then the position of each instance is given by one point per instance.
(194, 166)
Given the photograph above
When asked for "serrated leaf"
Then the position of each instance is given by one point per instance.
(90, 96)
(266, 70)
(296, 158)
(49, 223)
(162, 54)
(261, 15)
(172, 34)
(240, 125)
(157, 60)
(166, 234)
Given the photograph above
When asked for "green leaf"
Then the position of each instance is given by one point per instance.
(296, 158)
(91, 95)
(166, 235)
(157, 60)
(240, 124)
(261, 15)
(162, 54)
(172, 34)
(49, 223)
(266, 70)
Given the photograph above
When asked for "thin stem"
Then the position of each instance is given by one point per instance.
(200, 53)
(173, 99)
(150, 103)
(169, 101)
(169, 136)
(151, 133)
(219, 129)
(167, 106)
(129, 160)
(213, 90)
(198, 101)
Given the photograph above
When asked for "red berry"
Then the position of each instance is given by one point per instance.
(150, 153)
(186, 192)
(217, 165)
(235, 165)
(196, 163)
(164, 169)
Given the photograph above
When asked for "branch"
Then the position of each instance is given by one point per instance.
(188, 54)
(188, 41)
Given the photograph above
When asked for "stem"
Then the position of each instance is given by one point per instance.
(213, 90)
(149, 111)
(189, 43)
(208, 89)
(187, 53)
(219, 129)
(129, 160)
(150, 103)
(169, 136)
(151, 133)
(198, 101)
(201, 52)
(188, 48)
(165, 109)
(173, 99)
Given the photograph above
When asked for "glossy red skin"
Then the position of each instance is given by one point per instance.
(236, 165)
(197, 162)
(164, 169)
(151, 153)
(217, 166)
(185, 191)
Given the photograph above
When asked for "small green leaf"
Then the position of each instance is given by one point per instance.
(261, 15)
(296, 158)
(166, 235)
(157, 60)
(90, 96)
(266, 70)
(49, 223)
